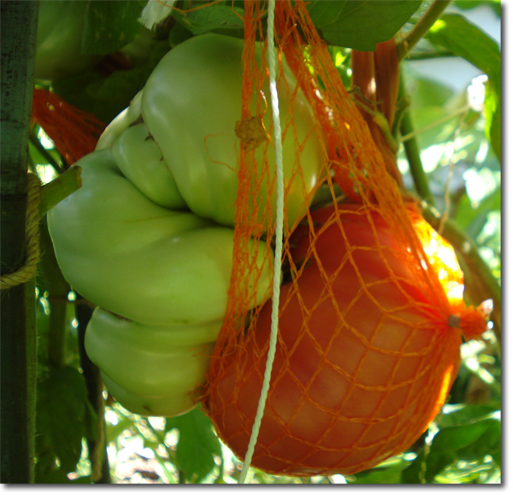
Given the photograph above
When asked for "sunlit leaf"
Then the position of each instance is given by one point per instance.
(465, 414)
(426, 466)
(113, 431)
(457, 437)
(197, 444)
(471, 440)
(389, 475)
(495, 5)
(464, 39)
(493, 116)
(472, 220)
(487, 444)
(360, 25)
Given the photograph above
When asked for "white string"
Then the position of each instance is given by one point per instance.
(280, 193)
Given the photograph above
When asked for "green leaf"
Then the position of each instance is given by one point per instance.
(197, 444)
(223, 19)
(110, 25)
(425, 468)
(62, 398)
(493, 116)
(464, 39)
(472, 4)
(391, 475)
(428, 92)
(113, 431)
(362, 24)
(472, 220)
(487, 444)
(107, 96)
(457, 437)
(465, 414)
(470, 440)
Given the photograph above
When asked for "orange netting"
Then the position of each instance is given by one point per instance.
(73, 131)
(371, 309)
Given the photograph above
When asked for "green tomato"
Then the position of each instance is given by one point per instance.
(191, 104)
(137, 259)
(149, 236)
(59, 40)
(151, 370)
(165, 272)
(140, 160)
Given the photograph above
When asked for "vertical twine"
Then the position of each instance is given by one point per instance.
(279, 241)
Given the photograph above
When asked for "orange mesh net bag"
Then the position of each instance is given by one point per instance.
(371, 315)
(73, 131)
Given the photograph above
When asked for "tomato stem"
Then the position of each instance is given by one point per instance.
(412, 151)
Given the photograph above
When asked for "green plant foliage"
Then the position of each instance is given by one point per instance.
(360, 25)
(197, 445)
(107, 95)
(465, 438)
(61, 425)
(474, 219)
(388, 473)
(464, 39)
(222, 19)
(459, 149)
(110, 25)
(495, 5)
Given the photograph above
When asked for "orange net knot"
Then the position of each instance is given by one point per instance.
(473, 322)
(73, 131)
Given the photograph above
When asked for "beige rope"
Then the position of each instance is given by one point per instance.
(28, 270)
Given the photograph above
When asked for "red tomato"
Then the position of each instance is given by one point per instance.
(363, 362)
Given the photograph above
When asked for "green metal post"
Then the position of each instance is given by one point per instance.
(18, 339)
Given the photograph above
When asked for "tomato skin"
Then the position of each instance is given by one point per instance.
(165, 271)
(191, 104)
(151, 370)
(350, 386)
(160, 268)
(142, 261)
(192, 122)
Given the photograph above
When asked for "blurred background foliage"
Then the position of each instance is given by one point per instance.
(457, 143)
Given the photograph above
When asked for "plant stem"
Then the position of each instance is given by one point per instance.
(429, 55)
(412, 151)
(18, 339)
(58, 289)
(59, 188)
(420, 29)
(97, 447)
(160, 438)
